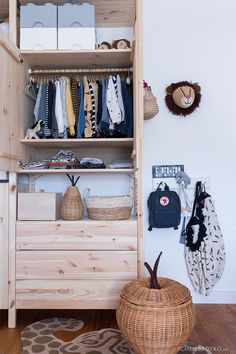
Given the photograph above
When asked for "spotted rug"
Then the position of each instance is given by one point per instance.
(45, 337)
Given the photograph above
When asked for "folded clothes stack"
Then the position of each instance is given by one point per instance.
(120, 164)
(63, 159)
(91, 162)
(37, 165)
(68, 160)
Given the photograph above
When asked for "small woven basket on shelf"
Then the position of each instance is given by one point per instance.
(72, 205)
(150, 105)
(155, 321)
(109, 208)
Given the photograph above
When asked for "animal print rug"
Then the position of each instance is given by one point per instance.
(39, 338)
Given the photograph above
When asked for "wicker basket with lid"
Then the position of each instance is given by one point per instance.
(155, 321)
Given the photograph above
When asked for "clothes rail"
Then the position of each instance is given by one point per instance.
(84, 70)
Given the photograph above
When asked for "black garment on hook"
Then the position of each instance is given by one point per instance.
(196, 230)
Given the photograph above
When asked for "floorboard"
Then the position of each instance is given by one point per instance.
(215, 326)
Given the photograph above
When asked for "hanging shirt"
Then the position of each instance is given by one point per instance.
(105, 118)
(112, 101)
(81, 120)
(93, 111)
(99, 101)
(75, 98)
(49, 104)
(88, 132)
(37, 103)
(69, 108)
(54, 127)
(58, 109)
(42, 105)
(120, 98)
(62, 82)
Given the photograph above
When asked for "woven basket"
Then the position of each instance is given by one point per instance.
(150, 105)
(109, 208)
(155, 321)
(72, 205)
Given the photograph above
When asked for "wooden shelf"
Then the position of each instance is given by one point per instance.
(109, 13)
(62, 221)
(78, 143)
(77, 171)
(98, 58)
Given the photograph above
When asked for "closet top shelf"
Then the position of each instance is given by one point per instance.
(73, 143)
(98, 58)
(110, 13)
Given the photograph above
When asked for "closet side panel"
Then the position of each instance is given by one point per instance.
(138, 129)
(26, 117)
(4, 246)
(12, 100)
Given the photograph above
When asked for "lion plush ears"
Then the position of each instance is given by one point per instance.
(182, 98)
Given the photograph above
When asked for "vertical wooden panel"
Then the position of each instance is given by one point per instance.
(15, 107)
(12, 250)
(4, 245)
(138, 113)
(13, 20)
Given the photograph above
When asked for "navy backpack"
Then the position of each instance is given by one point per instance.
(164, 208)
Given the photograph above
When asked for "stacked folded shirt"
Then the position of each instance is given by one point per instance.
(120, 164)
(63, 159)
(91, 162)
(39, 165)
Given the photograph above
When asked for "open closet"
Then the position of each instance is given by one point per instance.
(68, 264)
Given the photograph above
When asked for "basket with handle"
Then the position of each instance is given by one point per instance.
(108, 207)
(150, 106)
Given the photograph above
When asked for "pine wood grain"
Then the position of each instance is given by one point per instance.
(3, 245)
(69, 294)
(15, 106)
(76, 265)
(77, 235)
(100, 58)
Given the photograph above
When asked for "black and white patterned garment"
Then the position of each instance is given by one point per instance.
(93, 112)
(205, 266)
(33, 165)
(46, 129)
(64, 156)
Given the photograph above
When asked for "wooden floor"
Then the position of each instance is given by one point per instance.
(215, 327)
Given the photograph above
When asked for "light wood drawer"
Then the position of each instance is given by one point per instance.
(77, 235)
(68, 294)
(76, 265)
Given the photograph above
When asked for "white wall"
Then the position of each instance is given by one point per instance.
(195, 41)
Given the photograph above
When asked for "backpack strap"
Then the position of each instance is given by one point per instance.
(159, 185)
(166, 188)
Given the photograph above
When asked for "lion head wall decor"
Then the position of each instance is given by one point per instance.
(182, 98)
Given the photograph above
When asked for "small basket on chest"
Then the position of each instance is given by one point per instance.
(108, 207)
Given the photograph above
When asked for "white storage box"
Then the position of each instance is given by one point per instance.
(38, 38)
(38, 27)
(39, 206)
(76, 27)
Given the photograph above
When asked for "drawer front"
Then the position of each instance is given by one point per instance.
(78, 235)
(68, 294)
(76, 265)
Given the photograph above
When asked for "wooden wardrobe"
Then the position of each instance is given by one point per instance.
(50, 264)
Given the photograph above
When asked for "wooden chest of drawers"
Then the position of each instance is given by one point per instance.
(81, 264)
